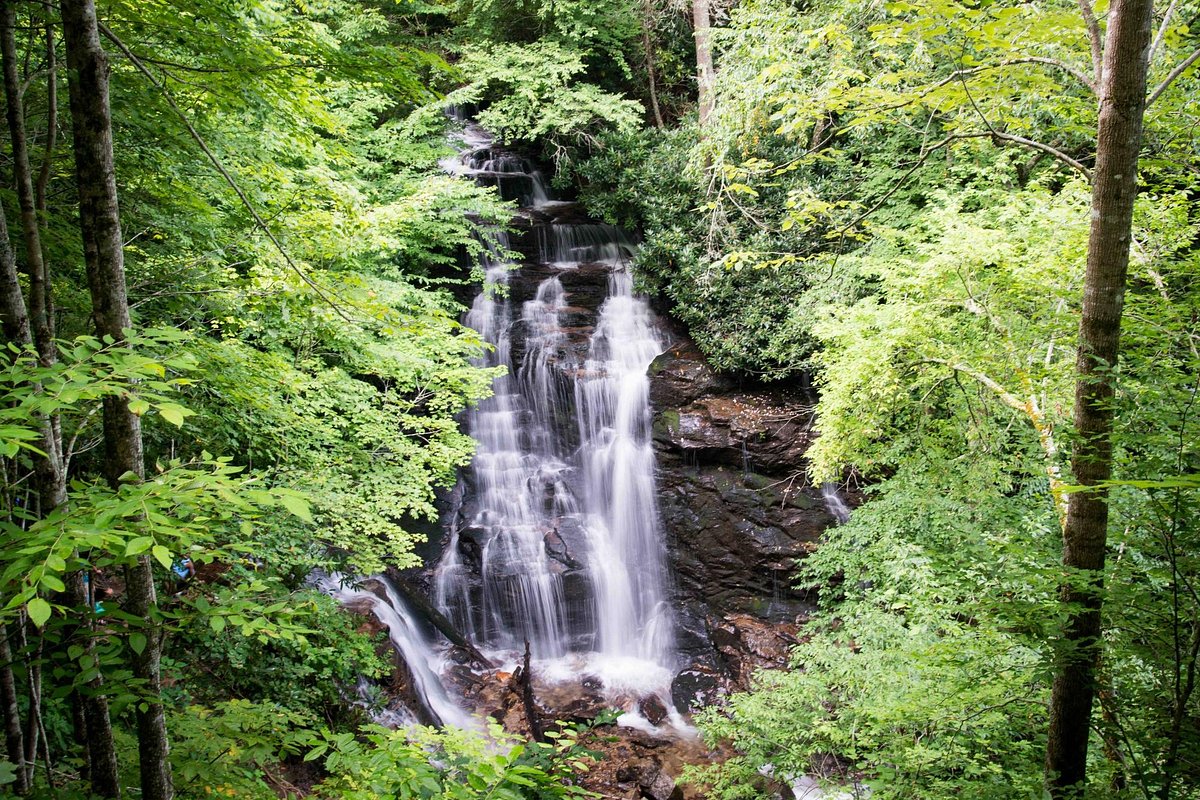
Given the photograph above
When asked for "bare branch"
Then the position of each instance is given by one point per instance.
(1094, 39)
(959, 74)
(1021, 140)
(1045, 148)
(1162, 32)
(1175, 73)
(1074, 72)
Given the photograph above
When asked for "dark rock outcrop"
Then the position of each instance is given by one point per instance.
(736, 503)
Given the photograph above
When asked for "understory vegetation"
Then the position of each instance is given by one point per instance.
(893, 199)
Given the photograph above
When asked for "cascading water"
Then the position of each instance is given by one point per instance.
(613, 408)
(559, 508)
(554, 539)
(834, 503)
(414, 646)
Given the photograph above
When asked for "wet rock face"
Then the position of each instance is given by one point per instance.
(736, 504)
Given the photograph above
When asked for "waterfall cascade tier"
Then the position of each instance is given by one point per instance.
(424, 662)
(557, 540)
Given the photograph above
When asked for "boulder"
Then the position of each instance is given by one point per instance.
(653, 709)
(697, 687)
(747, 643)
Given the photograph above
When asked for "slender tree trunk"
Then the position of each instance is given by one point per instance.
(51, 127)
(51, 481)
(13, 317)
(35, 728)
(13, 739)
(15, 111)
(100, 226)
(648, 46)
(701, 13)
(1118, 140)
(14, 320)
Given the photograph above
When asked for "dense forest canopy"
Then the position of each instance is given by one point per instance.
(232, 280)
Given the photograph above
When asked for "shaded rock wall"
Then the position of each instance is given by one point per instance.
(737, 506)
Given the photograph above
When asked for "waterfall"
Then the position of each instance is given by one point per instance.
(613, 407)
(557, 540)
(414, 646)
(834, 503)
(514, 177)
(554, 538)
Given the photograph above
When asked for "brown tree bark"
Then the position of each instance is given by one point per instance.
(1114, 187)
(13, 739)
(100, 226)
(701, 23)
(651, 72)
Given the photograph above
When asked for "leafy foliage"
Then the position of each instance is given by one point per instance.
(451, 764)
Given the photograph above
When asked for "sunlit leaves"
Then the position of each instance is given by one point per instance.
(535, 92)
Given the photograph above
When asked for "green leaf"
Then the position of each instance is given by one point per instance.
(39, 611)
(137, 641)
(162, 555)
(139, 545)
(53, 583)
(297, 506)
(173, 413)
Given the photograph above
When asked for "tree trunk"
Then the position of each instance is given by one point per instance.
(438, 620)
(15, 111)
(13, 317)
(651, 76)
(51, 480)
(1118, 140)
(43, 179)
(704, 61)
(13, 739)
(99, 222)
(35, 727)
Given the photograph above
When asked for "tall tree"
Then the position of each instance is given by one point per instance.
(1114, 187)
(100, 225)
(52, 485)
(648, 17)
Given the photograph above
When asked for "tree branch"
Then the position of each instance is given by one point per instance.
(1043, 427)
(1094, 40)
(1045, 148)
(959, 74)
(1162, 32)
(1021, 140)
(1074, 72)
(1175, 73)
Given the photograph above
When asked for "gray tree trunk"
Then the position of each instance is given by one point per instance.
(14, 319)
(1114, 187)
(100, 225)
(651, 71)
(51, 480)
